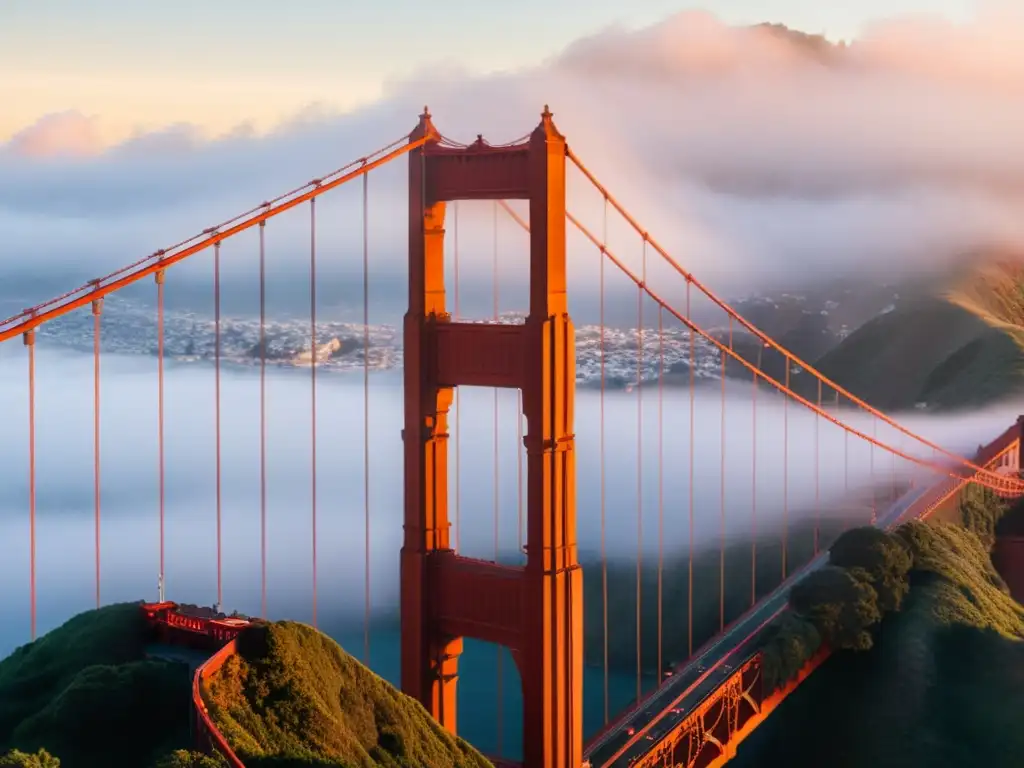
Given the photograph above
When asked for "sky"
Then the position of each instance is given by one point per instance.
(141, 65)
(127, 126)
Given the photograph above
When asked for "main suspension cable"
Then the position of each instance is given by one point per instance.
(166, 257)
(995, 480)
(788, 392)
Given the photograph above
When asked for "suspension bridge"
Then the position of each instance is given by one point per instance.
(660, 474)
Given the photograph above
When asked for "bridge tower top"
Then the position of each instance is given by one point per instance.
(537, 610)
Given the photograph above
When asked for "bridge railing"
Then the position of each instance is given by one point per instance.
(208, 736)
(989, 456)
(216, 634)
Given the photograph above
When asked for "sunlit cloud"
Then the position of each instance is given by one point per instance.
(756, 158)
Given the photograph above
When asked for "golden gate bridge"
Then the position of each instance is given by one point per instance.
(701, 707)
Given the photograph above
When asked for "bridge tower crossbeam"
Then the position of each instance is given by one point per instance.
(536, 610)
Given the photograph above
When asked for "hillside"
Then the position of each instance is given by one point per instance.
(944, 677)
(86, 693)
(958, 345)
(292, 697)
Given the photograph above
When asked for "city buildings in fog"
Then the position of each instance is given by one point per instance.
(127, 327)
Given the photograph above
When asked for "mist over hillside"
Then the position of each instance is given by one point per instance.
(762, 158)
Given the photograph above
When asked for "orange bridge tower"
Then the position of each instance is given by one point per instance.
(536, 610)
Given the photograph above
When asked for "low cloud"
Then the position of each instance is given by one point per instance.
(58, 136)
(756, 156)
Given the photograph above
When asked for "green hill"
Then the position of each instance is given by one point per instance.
(943, 680)
(86, 693)
(960, 345)
(292, 697)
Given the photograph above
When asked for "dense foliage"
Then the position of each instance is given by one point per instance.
(944, 681)
(183, 758)
(86, 692)
(18, 759)
(870, 574)
(293, 697)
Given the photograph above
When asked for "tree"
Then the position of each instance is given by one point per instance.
(17, 759)
(842, 606)
(790, 644)
(883, 558)
(182, 758)
(980, 512)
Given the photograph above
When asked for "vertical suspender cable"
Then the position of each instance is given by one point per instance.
(692, 366)
(874, 433)
(846, 467)
(753, 485)
(263, 421)
(366, 419)
(97, 309)
(216, 364)
(912, 479)
(900, 446)
(312, 379)
(160, 276)
(817, 478)
(30, 342)
(640, 474)
(661, 481)
(785, 471)
(604, 551)
(721, 527)
(721, 516)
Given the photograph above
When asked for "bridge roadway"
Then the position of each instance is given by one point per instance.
(700, 677)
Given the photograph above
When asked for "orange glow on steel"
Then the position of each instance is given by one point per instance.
(750, 367)
(757, 372)
(792, 579)
(1019, 486)
(35, 320)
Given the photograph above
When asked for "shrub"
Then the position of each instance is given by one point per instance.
(842, 606)
(183, 758)
(883, 558)
(18, 759)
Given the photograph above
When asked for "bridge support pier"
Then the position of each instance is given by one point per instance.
(536, 610)
(553, 620)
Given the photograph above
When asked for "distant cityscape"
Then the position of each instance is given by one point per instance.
(130, 328)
